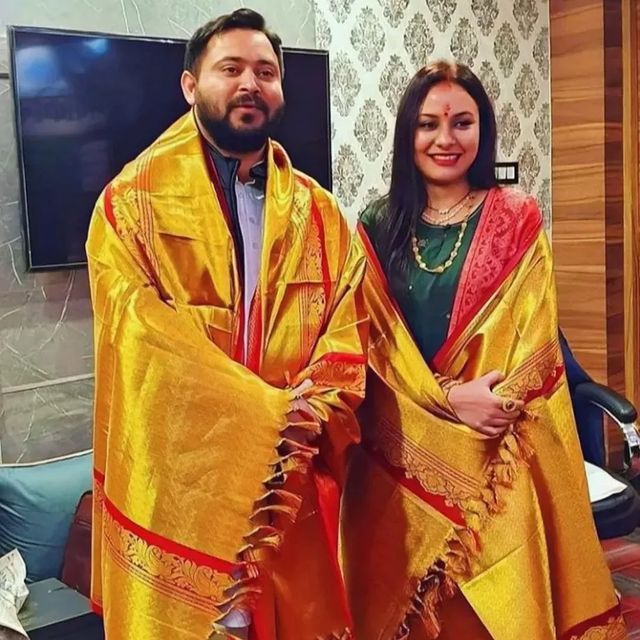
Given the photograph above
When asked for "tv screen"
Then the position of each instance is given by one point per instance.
(88, 103)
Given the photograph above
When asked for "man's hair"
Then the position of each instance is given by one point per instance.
(239, 19)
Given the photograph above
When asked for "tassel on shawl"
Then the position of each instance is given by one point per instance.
(292, 458)
(456, 560)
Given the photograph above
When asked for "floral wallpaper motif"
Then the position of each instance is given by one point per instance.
(323, 32)
(490, 80)
(526, 14)
(371, 130)
(542, 129)
(345, 83)
(508, 129)
(529, 166)
(506, 49)
(541, 52)
(347, 172)
(393, 10)
(442, 12)
(464, 43)
(395, 77)
(486, 12)
(340, 9)
(376, 46)
(418, 41)
(527, 89)
(368, 39)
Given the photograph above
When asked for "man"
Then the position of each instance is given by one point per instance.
(230, 339)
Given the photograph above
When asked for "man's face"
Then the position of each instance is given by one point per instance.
(237, 90)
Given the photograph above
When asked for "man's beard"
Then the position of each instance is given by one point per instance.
(244, 140)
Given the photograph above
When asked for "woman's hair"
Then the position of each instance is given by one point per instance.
(407, 196)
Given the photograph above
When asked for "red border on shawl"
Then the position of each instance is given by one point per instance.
(108, 208)
(170, 546)
(328, 492)
(372, 256)
(548, 385)
(349, 358)
(317, 218)
(598, 621)
(529, 229)
(434, 500)
(254, 342)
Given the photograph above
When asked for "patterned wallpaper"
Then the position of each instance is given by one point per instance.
(375, 48)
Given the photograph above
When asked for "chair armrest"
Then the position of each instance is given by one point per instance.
(623, 413)
(617, 406)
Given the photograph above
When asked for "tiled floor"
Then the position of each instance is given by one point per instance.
(623, 557)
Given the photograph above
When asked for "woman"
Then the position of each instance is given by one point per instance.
(466, 514)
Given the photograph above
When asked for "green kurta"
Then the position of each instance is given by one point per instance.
(426, 299)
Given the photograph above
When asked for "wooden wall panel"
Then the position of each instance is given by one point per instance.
(631, 149)
(614, 193)
(586, 96)
(578, 186)
(587, 184)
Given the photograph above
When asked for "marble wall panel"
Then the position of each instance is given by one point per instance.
(45, 318)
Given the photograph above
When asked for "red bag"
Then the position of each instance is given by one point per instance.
(76, 567)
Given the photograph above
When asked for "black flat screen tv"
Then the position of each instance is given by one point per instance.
(87, 103)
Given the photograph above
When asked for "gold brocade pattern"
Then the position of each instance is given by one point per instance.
(532, 376)
(315, 305)
(189, 441)
(614, 630)
(145, 222)
(353, 374)
(314, 253)
(98, 496)
(347, 634)
(197, 585)
(433, 474)
(313, 299)
(517, 543)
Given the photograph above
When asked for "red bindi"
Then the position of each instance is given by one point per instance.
(447, 108)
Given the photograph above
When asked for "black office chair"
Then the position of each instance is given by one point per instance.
(619, 514)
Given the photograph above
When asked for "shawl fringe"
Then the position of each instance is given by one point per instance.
(292, 458)
(456, 560)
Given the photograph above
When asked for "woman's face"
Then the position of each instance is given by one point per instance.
(448, 134)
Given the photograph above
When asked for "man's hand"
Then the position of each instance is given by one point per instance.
(302, 412)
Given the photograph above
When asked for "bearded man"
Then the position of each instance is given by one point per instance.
(230, 357)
